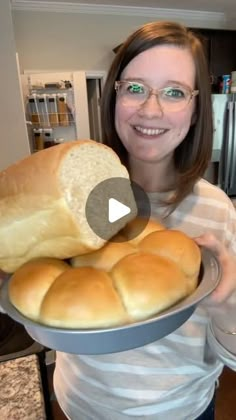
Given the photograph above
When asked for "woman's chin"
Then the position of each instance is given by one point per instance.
(146, 156)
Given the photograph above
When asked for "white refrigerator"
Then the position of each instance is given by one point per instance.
(224, 109)
(62, 106)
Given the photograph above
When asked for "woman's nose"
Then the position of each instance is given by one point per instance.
(151, 107)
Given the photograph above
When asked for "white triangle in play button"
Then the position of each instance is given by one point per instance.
(116, 210)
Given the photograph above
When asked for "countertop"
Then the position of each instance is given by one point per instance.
(21, 395)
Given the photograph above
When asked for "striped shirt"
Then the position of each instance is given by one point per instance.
(172, 378)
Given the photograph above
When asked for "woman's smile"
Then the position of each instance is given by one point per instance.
(148, 132)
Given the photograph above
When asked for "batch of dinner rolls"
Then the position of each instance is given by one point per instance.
(127, 280)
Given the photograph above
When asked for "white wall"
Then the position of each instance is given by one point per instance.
(13, 135)
(66, 41)
(73, 41)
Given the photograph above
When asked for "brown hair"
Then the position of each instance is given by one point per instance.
(192, 156)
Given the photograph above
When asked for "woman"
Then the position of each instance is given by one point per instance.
(157, 116)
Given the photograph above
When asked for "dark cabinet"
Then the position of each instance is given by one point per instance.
(220, 50)
(223, 57)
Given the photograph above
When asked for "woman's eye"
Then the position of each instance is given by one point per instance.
(175, 93)
(135, 88)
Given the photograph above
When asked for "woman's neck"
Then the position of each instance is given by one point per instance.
(153, 176)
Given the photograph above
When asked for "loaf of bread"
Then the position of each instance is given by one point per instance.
(43, 200)
(118, 284)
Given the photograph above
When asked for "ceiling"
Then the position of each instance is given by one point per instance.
(224, 6)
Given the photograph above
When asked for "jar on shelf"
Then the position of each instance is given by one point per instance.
(33, 110)
(38, 139)
(63, 111)
(52, 110)
(48, 138)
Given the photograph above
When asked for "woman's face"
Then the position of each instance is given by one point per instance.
(148, 132)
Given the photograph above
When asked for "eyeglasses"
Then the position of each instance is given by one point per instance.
(170, 98)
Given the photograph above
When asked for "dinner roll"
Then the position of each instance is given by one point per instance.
(105, 258)
(178, 247)
(30, 283)
(83, 298)
(140, 227)
(148, 284)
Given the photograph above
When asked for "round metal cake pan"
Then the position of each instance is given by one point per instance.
(122, 338)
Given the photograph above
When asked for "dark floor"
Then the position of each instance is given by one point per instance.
(225, 397)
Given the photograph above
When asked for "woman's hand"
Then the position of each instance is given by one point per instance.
(227, 285)
(221, 304)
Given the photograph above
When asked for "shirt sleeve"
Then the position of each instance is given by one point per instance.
(226, 355)
(230, 229)
(223, 344)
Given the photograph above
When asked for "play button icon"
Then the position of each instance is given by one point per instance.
(112, 204)
(116, 210)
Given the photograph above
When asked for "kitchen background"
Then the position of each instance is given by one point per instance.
(43, 43)
(41, 36)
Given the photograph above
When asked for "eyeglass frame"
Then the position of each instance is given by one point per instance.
(152, 91)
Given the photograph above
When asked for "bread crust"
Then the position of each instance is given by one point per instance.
(43, 167)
